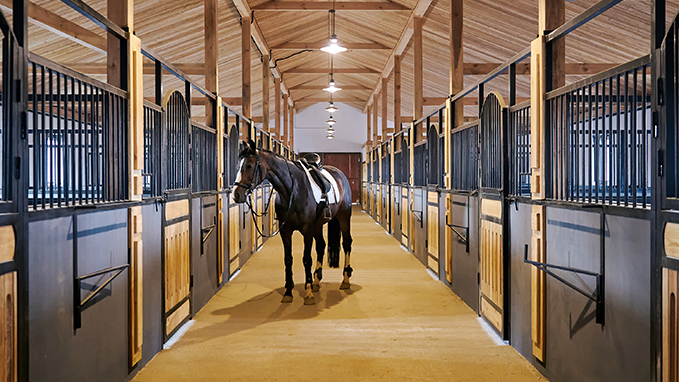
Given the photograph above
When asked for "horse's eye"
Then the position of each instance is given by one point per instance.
(248, 167)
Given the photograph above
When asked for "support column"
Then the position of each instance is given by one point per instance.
(384, 105)
(211, 56)
(121, 13)
(292, 128)
(286, 134)
(397, 94)
(552, 14)
(418, 101)
(456, 60)
(368, 141)
(376, 137)
(266, 79)
(246, 64)
(277, 108)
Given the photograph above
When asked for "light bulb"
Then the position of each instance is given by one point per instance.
(331, 121)
(331, 108)
(333, 47)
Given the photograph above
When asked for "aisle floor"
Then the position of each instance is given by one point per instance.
(395, 324)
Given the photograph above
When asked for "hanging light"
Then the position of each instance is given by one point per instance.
(331, 130)
(330, 136)
(331, 121)
(331, 85)
(333, 47)
(331, 106)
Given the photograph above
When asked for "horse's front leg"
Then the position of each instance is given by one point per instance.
(309, 295)
(286, 237)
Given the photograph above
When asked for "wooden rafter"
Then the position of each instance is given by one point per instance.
(319, 45)
(60, 26)
(327, 71)
(327, 5)
(321, 99)
(321, 87)
(244, 10)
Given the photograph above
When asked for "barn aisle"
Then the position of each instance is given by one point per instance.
(396, 324)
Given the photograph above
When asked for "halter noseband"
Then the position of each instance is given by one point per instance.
(249, 187)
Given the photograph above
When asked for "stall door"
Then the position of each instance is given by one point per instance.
(177, 260)
(493, 231)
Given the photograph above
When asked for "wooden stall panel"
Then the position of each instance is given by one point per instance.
(136, 281)
(220, 239)
(433, 231)
(538, 282)
(491, 256)
(177, 264)
(8, 345)
(449, 239)
(670, 324)
(405, 217)
(671, 240)
(234, 238)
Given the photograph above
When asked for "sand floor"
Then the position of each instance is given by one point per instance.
(395, 324)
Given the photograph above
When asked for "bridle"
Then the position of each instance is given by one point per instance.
(250, 188)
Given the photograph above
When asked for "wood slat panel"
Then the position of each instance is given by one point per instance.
(177, 264)
(178, 316)
(176, 209)
(491, 208)
(136, 281)
(7, 243)
(8, 322)
(671, 239)
(670, 325)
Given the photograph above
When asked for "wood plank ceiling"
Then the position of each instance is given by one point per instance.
(494, 30)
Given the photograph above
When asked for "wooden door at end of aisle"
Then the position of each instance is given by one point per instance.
(350, 165)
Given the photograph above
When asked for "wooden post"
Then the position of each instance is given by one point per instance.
(292, 128)
(456, 60)
(368, 141)
(418, 72)
(121, 13)
(376, 139)
(286, 134)
(397, 93)
(277, 108)
(246, 65)
(552, 14)
(384, 105)
(211, 56)
(125, 70)
(266, 79)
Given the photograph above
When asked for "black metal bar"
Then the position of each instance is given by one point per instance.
(102, 286)
(579, 20)
(97, 18)
(543, 267)
(7, 267)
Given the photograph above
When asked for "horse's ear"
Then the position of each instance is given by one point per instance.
(252, 145)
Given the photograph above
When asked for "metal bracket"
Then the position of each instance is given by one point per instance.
(598, 296)
(461, 238)
(418, 217)
(79, 305)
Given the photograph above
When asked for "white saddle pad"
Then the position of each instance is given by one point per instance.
(333, 193)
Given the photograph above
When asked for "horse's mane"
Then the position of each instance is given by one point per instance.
(277, 155)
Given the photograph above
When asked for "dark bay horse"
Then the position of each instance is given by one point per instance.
(297, 210)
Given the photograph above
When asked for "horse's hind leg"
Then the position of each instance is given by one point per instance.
(286, 237)
(320, 251)
(345, 226)
(309, 295)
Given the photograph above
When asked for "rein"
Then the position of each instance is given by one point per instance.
(248, 201)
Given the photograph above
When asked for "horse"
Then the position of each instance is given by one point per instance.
(297, 210)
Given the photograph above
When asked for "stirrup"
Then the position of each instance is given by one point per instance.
(326, 210)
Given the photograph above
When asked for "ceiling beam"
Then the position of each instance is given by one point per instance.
(403, 40)
(326, 99)
(319, 45)
(474, 69)
(327, 71)
(244, 10)
(327, 5)
(61, 26)
(321, 87)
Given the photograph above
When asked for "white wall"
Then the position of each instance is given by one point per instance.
(311, 129)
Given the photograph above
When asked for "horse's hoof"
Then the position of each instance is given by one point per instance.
(345, 285)
(286, 299)
(315, 287)
(309, 300)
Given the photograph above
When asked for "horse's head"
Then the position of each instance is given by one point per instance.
(249, 172)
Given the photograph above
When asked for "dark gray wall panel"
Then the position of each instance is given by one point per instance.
(204, 265)
(396, 217)
(420, 225)
(466, 264)
(97, 351)
(578, 349)
(520, 282)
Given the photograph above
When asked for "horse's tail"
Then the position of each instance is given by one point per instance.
(334, 234)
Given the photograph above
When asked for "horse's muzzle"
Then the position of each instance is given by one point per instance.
(239, 195)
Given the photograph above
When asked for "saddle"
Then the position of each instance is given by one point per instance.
(312, 162)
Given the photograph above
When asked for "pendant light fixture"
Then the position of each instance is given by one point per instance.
(333, 47)
(330, 136)
(331, 106)
(331, 121)
(331, 85)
